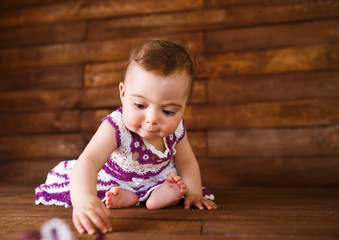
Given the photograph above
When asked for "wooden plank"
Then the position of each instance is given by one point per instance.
(280, 87)
(258, 11)
(198, 143)
(213, 19)
(155, 236)
(65, 146)
(180, 227)
(91, 119)
(229, 3)
(270, 171)
(142, 226)
(313, 112)
(83, 10)
(41, 78)
(105, 74)
(67, 53)
(283, 60)
(30, 172)
(320, 141)
(272, 36)
(5, 4)
(46, 34)
(153, 25)
(260, 203)
(36, 100)
(199, 93)
(103, 97)
(305, 227)
(84, 52)
(40, 122)
(165, 236)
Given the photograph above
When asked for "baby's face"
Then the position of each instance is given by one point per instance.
(153, 105)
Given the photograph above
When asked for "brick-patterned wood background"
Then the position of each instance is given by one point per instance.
(265, 108)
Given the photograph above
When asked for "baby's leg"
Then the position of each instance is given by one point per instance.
(120, 198)
(167, 194)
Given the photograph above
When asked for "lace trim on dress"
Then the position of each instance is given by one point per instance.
(147, 155)
(156, 151)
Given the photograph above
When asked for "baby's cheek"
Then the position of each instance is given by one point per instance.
(170, 129)
(131, 122)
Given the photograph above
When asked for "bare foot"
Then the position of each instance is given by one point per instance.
(120, 198)
(167, 194)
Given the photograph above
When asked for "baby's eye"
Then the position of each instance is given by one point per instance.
(168, 112)
(139, 106)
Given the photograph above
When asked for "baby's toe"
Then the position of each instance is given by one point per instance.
(177, 179)
(171, 178)
(108, 195)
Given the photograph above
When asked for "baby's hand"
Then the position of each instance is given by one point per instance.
(199, 201)
(88, 212)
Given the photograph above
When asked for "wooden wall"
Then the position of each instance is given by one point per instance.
(265, 109)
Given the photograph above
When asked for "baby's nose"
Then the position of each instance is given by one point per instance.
(151, 117)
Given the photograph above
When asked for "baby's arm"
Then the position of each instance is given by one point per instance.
(188, 169)
(88, 210)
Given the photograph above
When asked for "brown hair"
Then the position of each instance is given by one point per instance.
(163, 57)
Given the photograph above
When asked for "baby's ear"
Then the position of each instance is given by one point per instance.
(122, 90)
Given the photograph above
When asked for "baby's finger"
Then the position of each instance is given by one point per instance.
(99, 220)
(187, 203)
(198, 204)
(104, 213)
(86, 223)
(214, 206)
(78, 225)
(209, 204)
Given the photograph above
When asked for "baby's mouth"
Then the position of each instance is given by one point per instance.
(150, 129)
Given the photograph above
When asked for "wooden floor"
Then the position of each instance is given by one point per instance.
(244, 213)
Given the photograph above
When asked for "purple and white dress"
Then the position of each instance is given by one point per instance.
(135, 166)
